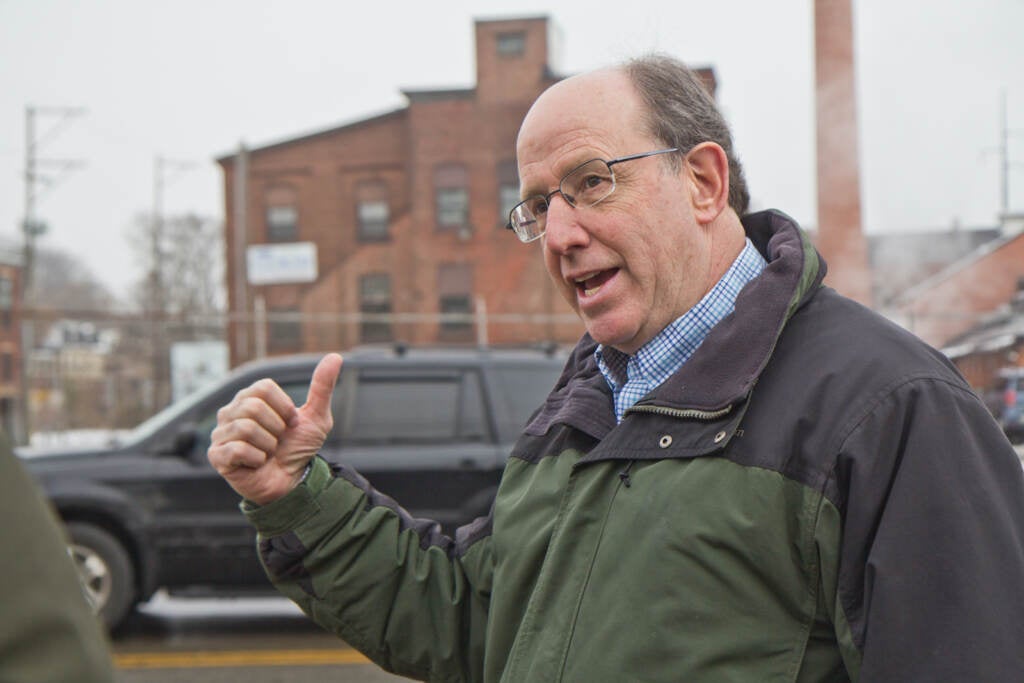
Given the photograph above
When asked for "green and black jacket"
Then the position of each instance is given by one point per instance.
(815, 496)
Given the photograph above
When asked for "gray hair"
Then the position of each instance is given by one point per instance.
(681, 113)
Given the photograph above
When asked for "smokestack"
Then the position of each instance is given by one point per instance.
(840, 238)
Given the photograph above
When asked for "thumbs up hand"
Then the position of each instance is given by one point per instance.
(262, 441)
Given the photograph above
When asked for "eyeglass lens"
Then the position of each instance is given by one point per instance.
(583, 186)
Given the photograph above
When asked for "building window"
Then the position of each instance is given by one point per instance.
(452, 196)
(372, 212)
(508, 190)
(284, 330)
(512, 44)
(455, 298)
(282, 215)
(375, 299)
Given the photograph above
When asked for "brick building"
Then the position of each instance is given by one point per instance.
(407, 211)
(966, 292)
(993, 345)
(10, 343)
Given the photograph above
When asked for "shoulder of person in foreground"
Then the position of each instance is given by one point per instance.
(48, 632)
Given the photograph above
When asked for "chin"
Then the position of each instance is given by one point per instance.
(608, 336)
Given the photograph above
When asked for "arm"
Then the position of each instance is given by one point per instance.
(48, 632)
(932, 551)
(408, 597)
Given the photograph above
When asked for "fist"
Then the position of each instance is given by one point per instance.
(262, 441)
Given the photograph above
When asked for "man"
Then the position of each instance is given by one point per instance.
(48, 633)
(740, 476)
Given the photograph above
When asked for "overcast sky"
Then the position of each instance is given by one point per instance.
(188, 80)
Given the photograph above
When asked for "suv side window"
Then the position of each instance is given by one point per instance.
(522, 390)
(415, 406)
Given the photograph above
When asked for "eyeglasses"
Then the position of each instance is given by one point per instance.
(586, 185)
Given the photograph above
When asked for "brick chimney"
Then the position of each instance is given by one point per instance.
(840, 238)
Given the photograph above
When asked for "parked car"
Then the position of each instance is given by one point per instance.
(430, 428)
(1005, 399)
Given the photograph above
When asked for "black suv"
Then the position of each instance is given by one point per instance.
(430, 428)
(1005, 398)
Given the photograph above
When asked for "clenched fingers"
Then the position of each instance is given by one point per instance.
(264, 402)
(249, 431)
(232, 455)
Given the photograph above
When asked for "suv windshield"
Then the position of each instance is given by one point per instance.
(171, 413)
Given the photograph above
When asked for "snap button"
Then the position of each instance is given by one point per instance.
(719, 437)
(666, 441)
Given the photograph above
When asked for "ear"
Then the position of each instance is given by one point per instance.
(707, 168)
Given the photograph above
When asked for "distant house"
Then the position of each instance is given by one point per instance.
(994, 343)
(899, 261)
(960, 296)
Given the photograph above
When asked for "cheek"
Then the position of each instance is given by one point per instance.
(553, 266)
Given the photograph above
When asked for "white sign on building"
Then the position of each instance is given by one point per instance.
(276, 264)
(194, 365)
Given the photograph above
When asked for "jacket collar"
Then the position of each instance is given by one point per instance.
(725, 367)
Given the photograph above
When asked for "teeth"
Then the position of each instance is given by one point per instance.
(582, 280)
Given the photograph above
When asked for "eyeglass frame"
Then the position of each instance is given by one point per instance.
(558, 190)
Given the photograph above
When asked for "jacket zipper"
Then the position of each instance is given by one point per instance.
(688, 414)
(624, 474)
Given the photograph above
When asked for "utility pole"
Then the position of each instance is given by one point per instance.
(1006, 163)
(32, 228)
(1004, 154)
(241, 290)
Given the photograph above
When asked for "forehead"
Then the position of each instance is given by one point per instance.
(583, 117)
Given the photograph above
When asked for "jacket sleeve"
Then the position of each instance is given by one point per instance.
(932, 551)
(48, 633)
(411, 599)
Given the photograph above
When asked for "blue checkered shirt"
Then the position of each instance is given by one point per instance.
(633, 377)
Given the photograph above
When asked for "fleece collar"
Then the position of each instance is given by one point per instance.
(724, 369)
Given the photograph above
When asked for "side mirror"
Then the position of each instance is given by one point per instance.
(185, 439)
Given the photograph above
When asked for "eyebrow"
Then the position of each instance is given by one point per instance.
(561, 174)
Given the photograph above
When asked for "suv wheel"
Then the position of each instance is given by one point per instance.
(105, 570)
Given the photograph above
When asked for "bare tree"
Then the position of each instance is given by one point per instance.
(182, 258)
(182, 293)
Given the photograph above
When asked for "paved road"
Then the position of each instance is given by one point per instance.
(234, 641)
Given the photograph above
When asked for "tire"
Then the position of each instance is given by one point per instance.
(106, 571)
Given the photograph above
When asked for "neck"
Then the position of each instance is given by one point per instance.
(728, 239)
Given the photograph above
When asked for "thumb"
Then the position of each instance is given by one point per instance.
(325, 376)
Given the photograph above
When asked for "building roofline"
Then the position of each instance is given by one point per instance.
(509, 19)
(377, 118)
(956, 267)
(438, 95)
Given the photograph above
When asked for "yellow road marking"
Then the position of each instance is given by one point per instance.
(227, 658)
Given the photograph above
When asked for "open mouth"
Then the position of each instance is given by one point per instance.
(591, 283)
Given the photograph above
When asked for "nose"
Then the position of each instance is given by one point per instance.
(562, 230)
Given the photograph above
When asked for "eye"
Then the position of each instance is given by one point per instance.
(538, 206)
(589, 183)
